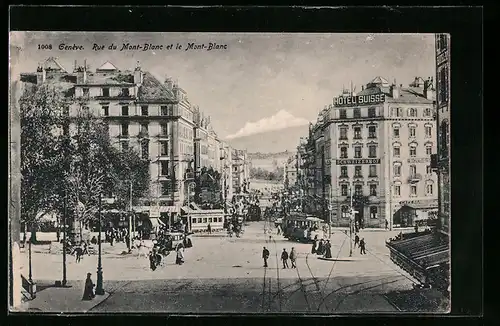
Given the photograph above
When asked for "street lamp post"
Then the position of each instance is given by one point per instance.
(65, 213)
(99, 289)
(350, 224)
(29, 261)
(130, 219)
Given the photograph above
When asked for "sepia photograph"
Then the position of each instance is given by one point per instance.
(253, 173)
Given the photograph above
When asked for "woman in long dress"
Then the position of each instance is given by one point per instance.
(328, 249)
(88, 292)
(321, 247)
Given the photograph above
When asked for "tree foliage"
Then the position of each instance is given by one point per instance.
(41, 114)
(262, 174)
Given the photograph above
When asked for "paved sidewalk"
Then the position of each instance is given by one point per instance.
(61, 300)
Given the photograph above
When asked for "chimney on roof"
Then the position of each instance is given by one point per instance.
(169, 83)
(428, 89)
(395, 90)
(138, 76)
(362, 87)
(85, 71)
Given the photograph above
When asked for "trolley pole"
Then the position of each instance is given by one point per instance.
(130, 219)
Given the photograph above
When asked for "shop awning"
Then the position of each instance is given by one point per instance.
(185, 209)
(169, 209)
(155, 222)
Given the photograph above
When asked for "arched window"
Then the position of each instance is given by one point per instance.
(397, 169)
(413, 150)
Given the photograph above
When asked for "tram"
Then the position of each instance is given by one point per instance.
(302, 228)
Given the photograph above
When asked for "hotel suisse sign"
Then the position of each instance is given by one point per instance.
(359, 100)
(358, 161)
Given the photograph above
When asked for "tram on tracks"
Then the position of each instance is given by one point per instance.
(302, 228)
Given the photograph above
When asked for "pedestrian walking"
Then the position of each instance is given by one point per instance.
(362, 246)
(278, 230)
(265, 256)
(78, 253)
(293, 257)
(321, 247)
(284, 258)
(328, 249)
(127, 240)
(386, 224)
(209, 228)
(88, 292)
(315, 244)
(180, 256)
(356, 240)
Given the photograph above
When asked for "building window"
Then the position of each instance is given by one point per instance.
(105, 92)
(144, 110)
(443, 84)
(413, 190)
(413, 169)
(166, 187)
(358, 190)
(427, 112)
(124, 145)
(371, 112)
(397, 190)
(413, 150)
(395, 132)
(429, 189)
(124, 110)
(164, 129)
(373, 171)
(105, 110)
(443, 139)
(357, 151)
(164, 147)
(357, 171)
(145, 149)
(144, 129)
(124, 92)
(373, 212)
(357, 132)
(412, 112)
(345, 211)
(372, 151)
(428, 132)
(373, 190)
(428, 169)
(397, 170)
(343, 133)
(397, 112)
(413, 132)
(343, 114)
(164, 110)
(343, 152)
(343, 189)
(397, 151)
(357, 113)
(125, 129)
(343, 171)
(428, 150)
(372, 132)
(86, 91)
(164, 168)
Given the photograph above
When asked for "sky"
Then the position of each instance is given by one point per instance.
(259, 82)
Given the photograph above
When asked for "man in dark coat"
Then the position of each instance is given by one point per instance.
(284, 258)
(356, 240)
(88, 292)
(362, 245)
(265, 256)
(315, 245)
(293, 257)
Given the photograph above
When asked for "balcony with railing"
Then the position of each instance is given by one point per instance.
(414, 178)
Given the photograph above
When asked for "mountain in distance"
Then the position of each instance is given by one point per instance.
(275, 141)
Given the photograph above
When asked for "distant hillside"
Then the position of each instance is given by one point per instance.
(276, 141)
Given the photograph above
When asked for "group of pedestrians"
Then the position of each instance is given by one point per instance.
(285, 256)
(360, 243)
(322, 248)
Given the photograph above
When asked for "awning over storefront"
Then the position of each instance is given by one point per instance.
(155, 222)
(419, 254)
(185, 209)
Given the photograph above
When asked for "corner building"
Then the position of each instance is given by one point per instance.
(378, 145)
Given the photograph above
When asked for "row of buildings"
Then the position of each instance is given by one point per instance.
(388, 146)
(375, 145)
(158, 121)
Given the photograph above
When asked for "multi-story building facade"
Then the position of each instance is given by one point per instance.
(380, 143)
(240, 171)
(426, 256)
(154, 118)
(443, 104)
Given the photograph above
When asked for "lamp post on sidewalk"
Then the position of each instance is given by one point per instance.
(65, 221)
(99, 289)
